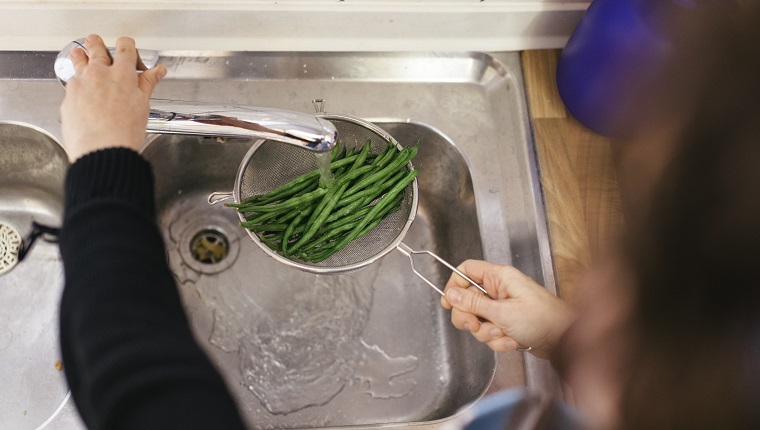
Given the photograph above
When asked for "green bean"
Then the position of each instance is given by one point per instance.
(308, 185)
(271, 243)
(340, 226)
(330, 234)
(288, 204)
(302, 220)
(334, 151)
(297, 181)
(325, 247)
(390, 151)
(278, 216)
(401, 159)
(388, 197)
(337, 190)
(287, 217)
(268, 227)
(349, 209)
(333, 248)
(372, 192)
(330, 195)
(289, 230)
(378, 162)
(258, 218)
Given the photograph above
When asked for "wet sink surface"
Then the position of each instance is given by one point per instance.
(373, 348)
(32, 168)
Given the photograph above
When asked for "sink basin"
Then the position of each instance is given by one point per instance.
(372, 348)
(301, 350)
(32, 169)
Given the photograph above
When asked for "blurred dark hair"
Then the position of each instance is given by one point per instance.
(694, 358)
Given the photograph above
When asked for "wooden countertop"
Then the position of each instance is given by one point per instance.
(578, 177)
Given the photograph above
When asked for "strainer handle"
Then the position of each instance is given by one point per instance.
(409, 252)
(219, 196)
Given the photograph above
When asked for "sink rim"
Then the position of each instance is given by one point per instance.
(29, 84)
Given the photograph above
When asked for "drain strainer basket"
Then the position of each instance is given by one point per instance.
(10, 243)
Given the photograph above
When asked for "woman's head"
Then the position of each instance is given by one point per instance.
(671, 335)
(693, 360)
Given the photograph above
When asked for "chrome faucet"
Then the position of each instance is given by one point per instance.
(220, 120)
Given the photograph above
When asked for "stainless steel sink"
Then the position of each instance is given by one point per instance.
(32, 168)
(372, 348)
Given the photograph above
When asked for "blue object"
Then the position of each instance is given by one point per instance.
(617, 51)
(512, 409)
(492, 412)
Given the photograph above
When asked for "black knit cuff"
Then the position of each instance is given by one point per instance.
(114, 174)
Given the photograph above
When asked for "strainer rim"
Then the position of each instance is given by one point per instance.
(330, 270)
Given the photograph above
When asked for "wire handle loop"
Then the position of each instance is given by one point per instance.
(406, 250)
(409, 252)
(218, 197)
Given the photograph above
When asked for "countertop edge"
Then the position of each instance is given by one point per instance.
(294, 26)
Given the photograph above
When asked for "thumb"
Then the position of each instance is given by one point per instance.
(150, 78)
(472, 301)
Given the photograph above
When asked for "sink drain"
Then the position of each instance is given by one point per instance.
(10, 242)
(207, 243)
(209, 246)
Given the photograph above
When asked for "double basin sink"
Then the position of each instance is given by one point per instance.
(372, 348)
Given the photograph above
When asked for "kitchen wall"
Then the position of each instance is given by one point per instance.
(316, 25)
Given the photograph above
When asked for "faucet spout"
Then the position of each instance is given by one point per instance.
(221, 120)
(206, 119)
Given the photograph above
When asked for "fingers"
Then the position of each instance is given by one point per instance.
(78, 59)
(475, 269)
(96, 50)
(150, 78)
(126, 54)
(473, 301)
(465, 321)
(126, 60)
(478, 271)
(485, 332)
(445, 303)
(503, 344)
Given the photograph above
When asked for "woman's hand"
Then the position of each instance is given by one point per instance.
(106, 105)
(518, 313)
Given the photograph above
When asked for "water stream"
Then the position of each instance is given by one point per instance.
(326, 176)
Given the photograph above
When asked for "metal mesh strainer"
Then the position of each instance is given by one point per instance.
(271, 164)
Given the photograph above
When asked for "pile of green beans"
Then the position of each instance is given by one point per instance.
(305, 221)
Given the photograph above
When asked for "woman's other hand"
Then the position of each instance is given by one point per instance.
(518, 313)
(106, 105)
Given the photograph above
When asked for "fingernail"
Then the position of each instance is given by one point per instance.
(496, 332)
(92, 38)
(454, 296)
(466, 326)
(161, 71)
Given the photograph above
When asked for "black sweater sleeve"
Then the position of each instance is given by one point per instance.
(129, 356)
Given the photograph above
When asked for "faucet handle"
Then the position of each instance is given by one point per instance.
(212, 119)
(64, 68)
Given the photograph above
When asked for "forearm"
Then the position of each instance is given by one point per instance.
(130, 358)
